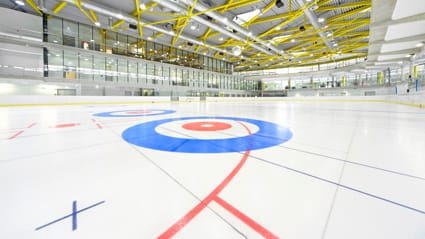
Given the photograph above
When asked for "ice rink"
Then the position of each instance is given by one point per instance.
(237, 169)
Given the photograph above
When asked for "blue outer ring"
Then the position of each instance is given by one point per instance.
(268, 135)
(110, 114)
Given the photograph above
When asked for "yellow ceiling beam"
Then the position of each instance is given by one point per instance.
(263, 11)
(59, 7)
(310, 38)
(34, 6)
(230, 5)
(271, 18)
(354, 34)
(342, 31)
(93, 15)
(338, 24)
(116, 24)
(209, 30)
(227, 5)
(229, 42)
(294, 16)
(181, 23)
(294, 35)
(309, 62)
(354, 39)
(348, 14)
(323, 2)
(165, 20)
(139, 11)
(139, 26)
(347, 5)
(355, 46)
(78, 5)
(164, 14)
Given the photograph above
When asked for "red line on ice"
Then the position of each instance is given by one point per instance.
(16, 135)
(31, 125)
(247, 220)
(182, 222)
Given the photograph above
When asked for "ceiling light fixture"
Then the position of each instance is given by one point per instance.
(237, 50)
(20, 3)
(97, 24)
(321, 19)
(143, 6)
(120, 16)
(420, 44)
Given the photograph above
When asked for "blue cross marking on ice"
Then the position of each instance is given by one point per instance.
(73, 215)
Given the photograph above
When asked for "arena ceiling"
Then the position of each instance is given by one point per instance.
(252, 34)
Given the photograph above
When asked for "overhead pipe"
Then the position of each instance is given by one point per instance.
(130, 19)
(177, 8)
(315, 22)
(222, 19)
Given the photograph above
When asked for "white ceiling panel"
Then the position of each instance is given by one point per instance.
(390, 57)
(398, 46)
(405, 8)
(405, 30)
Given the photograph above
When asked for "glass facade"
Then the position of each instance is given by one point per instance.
(89, 66)
(98, 55)
(68, 33)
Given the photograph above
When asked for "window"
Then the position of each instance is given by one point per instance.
(99, 68)
(70, 33)
(122, 70)
(55, 62)
(86, 67)
(85, 35)
(54, 26)
(70, 65)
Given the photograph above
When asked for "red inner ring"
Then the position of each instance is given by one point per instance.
(207, 126)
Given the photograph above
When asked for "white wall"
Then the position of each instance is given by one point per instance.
(16, 58)
(25, 99)
(20, 60)
(417, 100)
(34, 87)
(379, 91)
(21, 24)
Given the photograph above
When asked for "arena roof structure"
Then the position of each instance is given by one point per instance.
(259, 34)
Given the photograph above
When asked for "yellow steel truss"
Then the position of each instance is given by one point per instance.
(348, 29)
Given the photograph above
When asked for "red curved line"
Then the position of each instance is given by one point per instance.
(15, 135)
(182, 222)
(247, 220)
